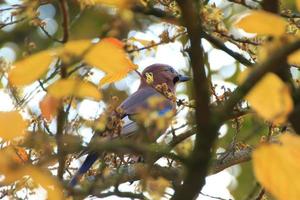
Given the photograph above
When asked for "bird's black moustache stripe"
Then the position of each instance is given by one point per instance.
(176, 79)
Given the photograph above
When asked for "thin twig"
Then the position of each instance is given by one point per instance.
(159, 43)
(49, 35)
(213, 197)
(12, 22)
(219, 44)
(65, 20)
(260, 195)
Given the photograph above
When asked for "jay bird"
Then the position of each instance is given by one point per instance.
(160, 74)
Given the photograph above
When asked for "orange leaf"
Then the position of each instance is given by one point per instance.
(16, 154)
(49, 106)
(21, 155)
(11, 125)
(115, 41)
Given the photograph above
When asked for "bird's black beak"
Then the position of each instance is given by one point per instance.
(182, 78)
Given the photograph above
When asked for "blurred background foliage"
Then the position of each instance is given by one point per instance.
(91, 22)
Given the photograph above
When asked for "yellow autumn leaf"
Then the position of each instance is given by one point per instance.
(30, 68)
(110, 78)
(276, 167)
(11, 125)
(11, 163)
(73, 49)
(294, 58)
(77, 47)
(74, 87)
(46, 180)
(263, 23)
(298, 4)
(109, 56)
(271, 99)
(7, 163)
(9, 167)
(13, 171)
(141, 41)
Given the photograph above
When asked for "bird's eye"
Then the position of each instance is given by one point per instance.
(172, 70)
(175, 80)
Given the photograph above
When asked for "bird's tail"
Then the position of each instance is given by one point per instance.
(127, 131)
(88, 162)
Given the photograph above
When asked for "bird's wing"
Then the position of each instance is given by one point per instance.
(129, 126)
(137, 102)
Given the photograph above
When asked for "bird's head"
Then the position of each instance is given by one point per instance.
(162, 73)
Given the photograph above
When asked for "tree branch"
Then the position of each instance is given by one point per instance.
(61, 120)
(121, 194)
(270, 6)
(233, 158)
(156, 151)
(206, 131)
(137, 171)
(152, 11)
(62, 115)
